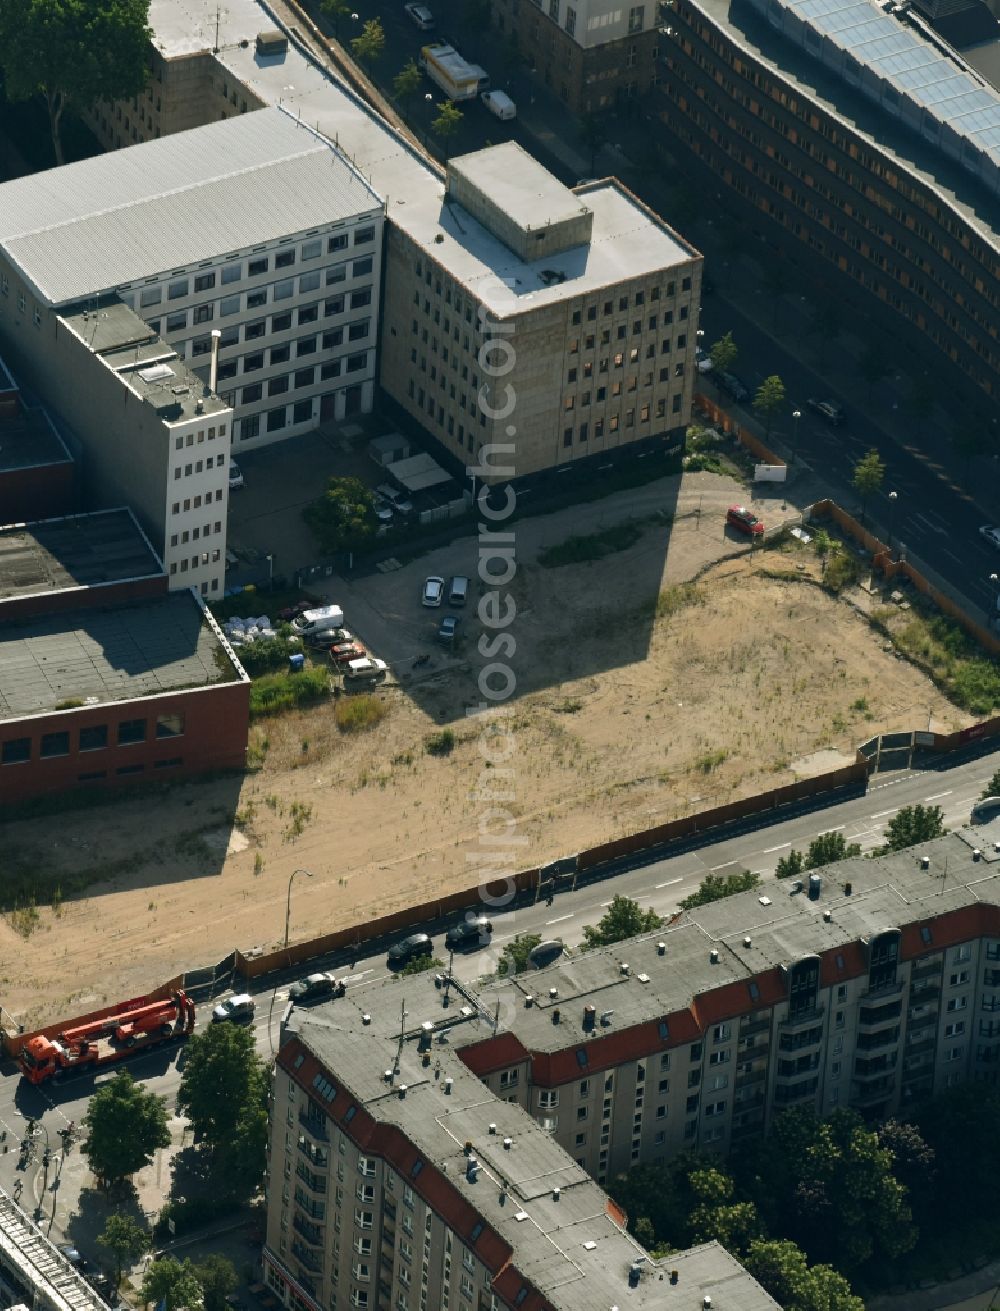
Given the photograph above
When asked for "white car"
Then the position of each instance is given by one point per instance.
(420, 15)
(991, 532)
(235, 476)
(703, 361)
(383, 510)
(370, 669)
(433, 593)
(396, 498)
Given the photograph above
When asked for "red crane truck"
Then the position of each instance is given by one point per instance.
(133, 1026)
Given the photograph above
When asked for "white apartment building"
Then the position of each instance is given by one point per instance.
(256, 227)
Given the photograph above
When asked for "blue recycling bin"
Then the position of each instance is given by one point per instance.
(296, 663)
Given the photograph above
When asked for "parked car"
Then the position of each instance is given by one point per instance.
(319, 620)
(732, 385)
(545, 953)
(291, 612)
(327, 637)
(991, 532)
(469, 934)
(342, 653)
(448, 629)
(238, 1009)
(703, 361)
(458, 590)
(828, 410)
(433, 593)
(235, 476)
(73, 1257)
(500, 104)
(744, 521)
(366, 670)
(397, 499)
(411, 948)
(316, 986)
(420, 15)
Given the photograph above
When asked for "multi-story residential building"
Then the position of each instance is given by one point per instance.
(594, 54)
(858, 134)
(519, 311)
(469, 234)
(257, 228)
(397, 1181)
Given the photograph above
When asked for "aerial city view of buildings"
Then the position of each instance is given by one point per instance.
(495, 582)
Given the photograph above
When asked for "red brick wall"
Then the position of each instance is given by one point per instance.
(45, 491)
(216, 723)
(83, 598)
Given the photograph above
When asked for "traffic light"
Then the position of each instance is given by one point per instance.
(45, 1158)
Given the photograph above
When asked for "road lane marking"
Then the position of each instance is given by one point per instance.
(559, 918)
(938, 795)
(670, 882)
(882, 813)
(780, 847)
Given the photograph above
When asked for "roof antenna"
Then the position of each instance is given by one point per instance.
(402, 1030)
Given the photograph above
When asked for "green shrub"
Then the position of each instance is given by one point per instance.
(355, 714)
(275, 693)
(440, 744)
(842, 570)
(265, 654)
(595, 546)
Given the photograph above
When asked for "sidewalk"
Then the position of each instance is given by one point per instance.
(971, 1292)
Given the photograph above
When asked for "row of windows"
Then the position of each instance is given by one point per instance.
(331, 307)
(624, 303)
(195, 502)
(195, 562)
(129, 732)
(359, 330)
(194, 533)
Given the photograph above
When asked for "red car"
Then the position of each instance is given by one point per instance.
(344, 652)
(744, 521)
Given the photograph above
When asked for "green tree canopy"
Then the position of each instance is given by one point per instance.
(369, 45)
(125, 1126)
(770, 400)
(623, 919)
(223, 1076)
(714, 887)
(407, 82)
(723, 353)
(782, 1269)
(343, 518)
(911, 825)
(217, 1277)
(514, 957)
(73, 52)
(868, 476)
(716, 1216)
(448, 120)
(992, 788)
(823, 850)
(173, 1283)
(124, 1239)
(790, 866)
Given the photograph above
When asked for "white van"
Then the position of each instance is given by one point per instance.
(499, 103)
(315, 621)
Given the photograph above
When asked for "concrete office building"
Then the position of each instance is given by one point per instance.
(591, 308)
(395, 1180)
(257, 227)
(594, 54)
(611, 256)
(853, 130)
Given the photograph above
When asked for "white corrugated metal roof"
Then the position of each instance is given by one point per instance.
(133, 213)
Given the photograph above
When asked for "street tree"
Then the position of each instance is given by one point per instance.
(125, 1126)
(171, 1284)
(514, 958)
(715, 1216)
(222, 1077)
(343, 518)
(828, 847)
(73, 53)
(218, 1278)
(407, 82)
(913, 1159)
(125, 1240)
(790, 866)
(913, 824)
(448, 120)
(714, 887)
(873, 366)
(781, 1267)
(369, 45)
(242, 1159)
(623, 919)
(723, 353)
(336, 11)
(992, 788)
(769, 401)
(868, 476)
(594, 135)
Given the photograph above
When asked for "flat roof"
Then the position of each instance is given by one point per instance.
(80, 550)
(29, 440)
(628, 241)
(519, 185)
(134, 213)
(144, 363)
(956, 185)
(98, 656)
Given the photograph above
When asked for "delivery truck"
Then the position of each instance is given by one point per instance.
(456, 78)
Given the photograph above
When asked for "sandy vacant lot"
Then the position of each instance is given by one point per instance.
(629, 712)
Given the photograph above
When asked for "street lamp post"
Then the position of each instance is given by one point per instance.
(288, 902)
(796, 416)
(995, 580)
(893, 498)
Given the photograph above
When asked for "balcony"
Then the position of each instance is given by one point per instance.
(916, 1048)
(310, 1232)
(873, 1017)
(317, 1156)
(812, 1016)
(756, 1026)
(873, 1069)
(785, 1094)
(315, 1126)
(882, 992)
(870, 1042)
(751, 1076)
(868, 1094)
(928, 971)
(316, 1183)
(919, 1022)
(306, 1258)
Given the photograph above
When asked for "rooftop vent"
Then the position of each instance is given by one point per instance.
(589, 1016)
(447, 1086)
(388, 1076)
(661, 949)
(555, 1194)
(439, 980)
(827, 916)
(366, 1018)
(553, 993)
(976, 854)
(925, 862)
(634, 1271)
(815, 886)
(624, 967)
(402, 1090)
(643, 978)
(713, 956)
(472, 1169)
(848, 889)
(674, 1276)
(555, 1016)
(529, 1001)
(746, 940)
(706, 1301)
(996, 846)
(520, 1215)
(493, 1128)
(507, 1144)
(607, 1017)
(589, 1245)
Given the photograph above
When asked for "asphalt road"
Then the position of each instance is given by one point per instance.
(660, 884)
